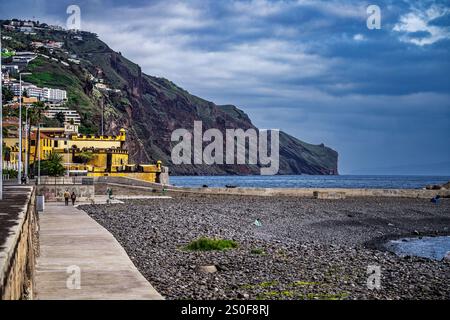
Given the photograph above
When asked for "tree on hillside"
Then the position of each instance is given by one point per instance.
(61, 118)
(8, 95)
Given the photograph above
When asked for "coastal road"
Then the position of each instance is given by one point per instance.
(79, 259)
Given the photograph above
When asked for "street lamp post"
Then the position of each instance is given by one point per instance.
(39, 153)
(19, 175)
(26, 139)
(67, 159)
(1, 119)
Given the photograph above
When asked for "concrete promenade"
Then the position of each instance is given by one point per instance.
(79, 259)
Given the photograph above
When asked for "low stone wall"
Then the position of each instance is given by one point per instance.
(56, 192)
(127, 181)
(125, 186)
(126, 190)
(309, 192)
(20, 248)
(328, 195)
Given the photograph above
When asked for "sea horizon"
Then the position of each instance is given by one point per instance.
(312, 181)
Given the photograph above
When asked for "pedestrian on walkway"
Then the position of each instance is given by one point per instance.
(73, 197)
(66, 197)
(109, 192)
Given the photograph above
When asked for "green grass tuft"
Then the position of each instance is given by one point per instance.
(257, 251)
(206, 244)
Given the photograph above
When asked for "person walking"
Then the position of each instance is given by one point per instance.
(109, 193)
(73, 197)
(66, 197)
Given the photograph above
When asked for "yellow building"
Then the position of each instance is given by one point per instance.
(13, 144)
(96, 155)
(11, 153)
(88, 155)
(30, 100)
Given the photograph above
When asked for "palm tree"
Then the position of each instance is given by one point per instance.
(36, 115)
(53, 166)
(61, 118)
(86, 156)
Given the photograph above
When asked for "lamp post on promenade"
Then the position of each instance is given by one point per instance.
(19, 175)
(39, 153)
(27, 146)
(1, 118)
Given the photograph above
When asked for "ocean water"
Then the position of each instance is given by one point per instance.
(425, 247)
(306, 181)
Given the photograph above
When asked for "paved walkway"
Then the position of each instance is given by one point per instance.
(70, 239)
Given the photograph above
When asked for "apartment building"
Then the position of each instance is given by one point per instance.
(70, 116)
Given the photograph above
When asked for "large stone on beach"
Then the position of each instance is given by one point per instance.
(243, 296)
(207, 269)
(433, 187)
(447, 256)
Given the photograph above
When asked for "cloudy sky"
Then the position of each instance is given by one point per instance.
(381, 98)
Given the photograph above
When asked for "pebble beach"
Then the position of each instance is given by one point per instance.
(301, 249)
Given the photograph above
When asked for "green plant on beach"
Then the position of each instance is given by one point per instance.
(264, 284)
(304, 283)
(206, 244)
(324, 296)
(257, 251)
(267, 284)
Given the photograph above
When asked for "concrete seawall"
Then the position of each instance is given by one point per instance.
(325, 192)
(124, 186)
(19, 243)
(54, 193)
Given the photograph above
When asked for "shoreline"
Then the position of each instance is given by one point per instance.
(379, 242)
(119, 183)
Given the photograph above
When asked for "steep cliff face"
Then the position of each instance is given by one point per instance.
(151, 108)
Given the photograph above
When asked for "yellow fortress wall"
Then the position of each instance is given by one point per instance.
(88, 155)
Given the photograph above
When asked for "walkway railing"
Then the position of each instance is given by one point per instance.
(67, 180)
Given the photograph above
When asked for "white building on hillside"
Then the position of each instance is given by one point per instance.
(43, 94)
(24, 57)
(32, 91)
(70, 116)
(50, 94)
